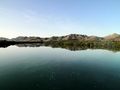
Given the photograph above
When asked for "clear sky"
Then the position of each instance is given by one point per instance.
(59, 17)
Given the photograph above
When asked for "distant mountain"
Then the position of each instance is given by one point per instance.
(113, 37)
(27, 39)
(2, 38)
(95, 38)
(77, 37)
(74, 37)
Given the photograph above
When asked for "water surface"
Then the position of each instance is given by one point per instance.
(46, 68)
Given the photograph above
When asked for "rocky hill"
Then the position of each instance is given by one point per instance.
(2, 39)
(113, 37)
(77, 37)
(26, 39)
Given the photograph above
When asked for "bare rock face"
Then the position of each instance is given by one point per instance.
(113, 37)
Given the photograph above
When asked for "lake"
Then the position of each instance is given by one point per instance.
(47, 68)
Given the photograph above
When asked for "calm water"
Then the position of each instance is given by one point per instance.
(46, 68)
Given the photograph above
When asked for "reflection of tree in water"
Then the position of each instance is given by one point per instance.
(5, 43)
(73, 46)
(29, 45)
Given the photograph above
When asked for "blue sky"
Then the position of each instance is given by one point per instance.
(46, 18)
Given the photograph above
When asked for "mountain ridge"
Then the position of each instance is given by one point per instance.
(79, 37)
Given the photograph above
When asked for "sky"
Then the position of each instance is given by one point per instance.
(47, 18)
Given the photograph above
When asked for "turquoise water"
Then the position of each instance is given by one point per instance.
(46, 68)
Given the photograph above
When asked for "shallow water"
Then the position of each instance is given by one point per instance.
(46, 68)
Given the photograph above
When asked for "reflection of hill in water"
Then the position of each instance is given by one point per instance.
(72, 48)
(30, 45)
(4, 46)
(68, 47)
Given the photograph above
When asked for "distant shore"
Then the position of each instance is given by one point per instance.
(72, 40)
(69, 44)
